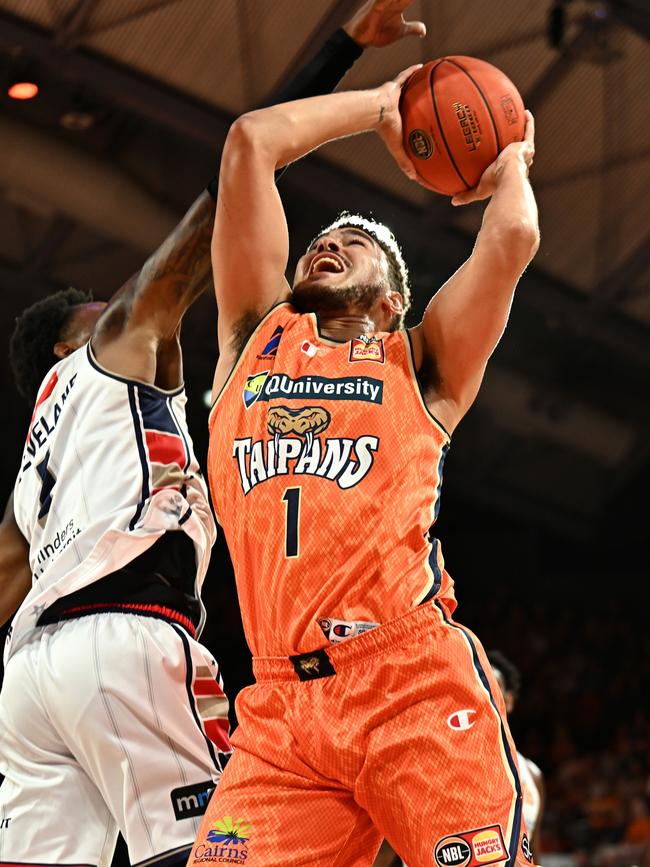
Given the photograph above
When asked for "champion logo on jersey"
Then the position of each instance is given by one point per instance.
(367, 348)
(271, 348)
(461, 720)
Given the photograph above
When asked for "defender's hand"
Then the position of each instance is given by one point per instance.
(381, 22)
(389, 122)
(522, 151)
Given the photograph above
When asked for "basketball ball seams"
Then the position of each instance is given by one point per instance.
(458, 114)
(410, 85)
(482, 95)
(442, 132)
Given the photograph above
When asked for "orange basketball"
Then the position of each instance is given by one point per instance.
(458, 113)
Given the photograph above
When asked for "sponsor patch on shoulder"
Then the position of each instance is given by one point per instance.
(482, 846)
(367, 348)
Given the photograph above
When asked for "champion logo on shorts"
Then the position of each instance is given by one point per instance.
(461, 720)
(227, 842)
(477, 848)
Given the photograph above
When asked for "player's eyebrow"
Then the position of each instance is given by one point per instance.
(347, 230)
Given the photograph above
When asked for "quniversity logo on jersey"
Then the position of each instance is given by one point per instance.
(296, 449)
(476, 848)
(266, 386)
(461, 720)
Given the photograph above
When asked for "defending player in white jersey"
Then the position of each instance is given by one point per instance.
(532, 779)
(112, 715)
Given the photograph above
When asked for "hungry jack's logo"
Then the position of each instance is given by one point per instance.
(367, 348)
(477, 848)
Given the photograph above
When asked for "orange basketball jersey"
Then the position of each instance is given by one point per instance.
(325, 470)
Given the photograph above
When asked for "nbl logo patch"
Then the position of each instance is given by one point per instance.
(365, 348)
(477, 848)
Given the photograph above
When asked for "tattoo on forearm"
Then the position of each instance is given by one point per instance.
(382, 112)
(185, 265)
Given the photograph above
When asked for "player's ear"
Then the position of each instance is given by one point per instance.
(396, 302)
(62, 349)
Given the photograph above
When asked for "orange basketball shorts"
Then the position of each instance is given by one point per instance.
(397, 733)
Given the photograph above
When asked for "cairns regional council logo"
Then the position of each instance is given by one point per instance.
(476, 848)
(226, 843)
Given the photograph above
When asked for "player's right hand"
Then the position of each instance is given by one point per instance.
(518, 151)
(389, 125)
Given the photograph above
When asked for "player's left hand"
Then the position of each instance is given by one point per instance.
(518, 151)
(389, 126)
(381, 22)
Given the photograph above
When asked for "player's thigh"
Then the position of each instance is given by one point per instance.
(441, 778)
(264, 816)
(143, 730)
(50, 810)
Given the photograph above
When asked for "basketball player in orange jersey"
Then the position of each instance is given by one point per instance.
(374, 713)
(110, 528)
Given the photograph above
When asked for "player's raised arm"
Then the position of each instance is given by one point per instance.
(250, 244)
(466, 318)
(15, 572)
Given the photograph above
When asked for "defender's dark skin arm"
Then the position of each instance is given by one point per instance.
(15, 572)
(138, 335)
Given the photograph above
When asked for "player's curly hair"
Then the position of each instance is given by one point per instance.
(510, 672)
(397, 269)
(37, 329)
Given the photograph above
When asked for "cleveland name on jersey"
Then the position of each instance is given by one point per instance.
(325, 468)
(107, 469)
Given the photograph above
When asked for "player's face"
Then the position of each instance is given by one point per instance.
(79, 327)
(337, 262)
(83, 320)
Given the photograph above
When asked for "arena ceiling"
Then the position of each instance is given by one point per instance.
(561, 430)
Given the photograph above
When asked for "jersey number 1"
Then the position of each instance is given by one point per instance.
(292, 524)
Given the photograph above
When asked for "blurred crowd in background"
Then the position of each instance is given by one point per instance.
(582, 714)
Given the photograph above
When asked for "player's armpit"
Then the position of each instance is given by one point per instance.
(15, 571)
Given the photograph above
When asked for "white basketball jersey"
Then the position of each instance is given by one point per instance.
(107, 468)
(532, 799)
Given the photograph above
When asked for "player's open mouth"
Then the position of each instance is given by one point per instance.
(326, 262)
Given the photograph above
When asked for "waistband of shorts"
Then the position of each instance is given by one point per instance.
(160, 612)
(335, 657)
